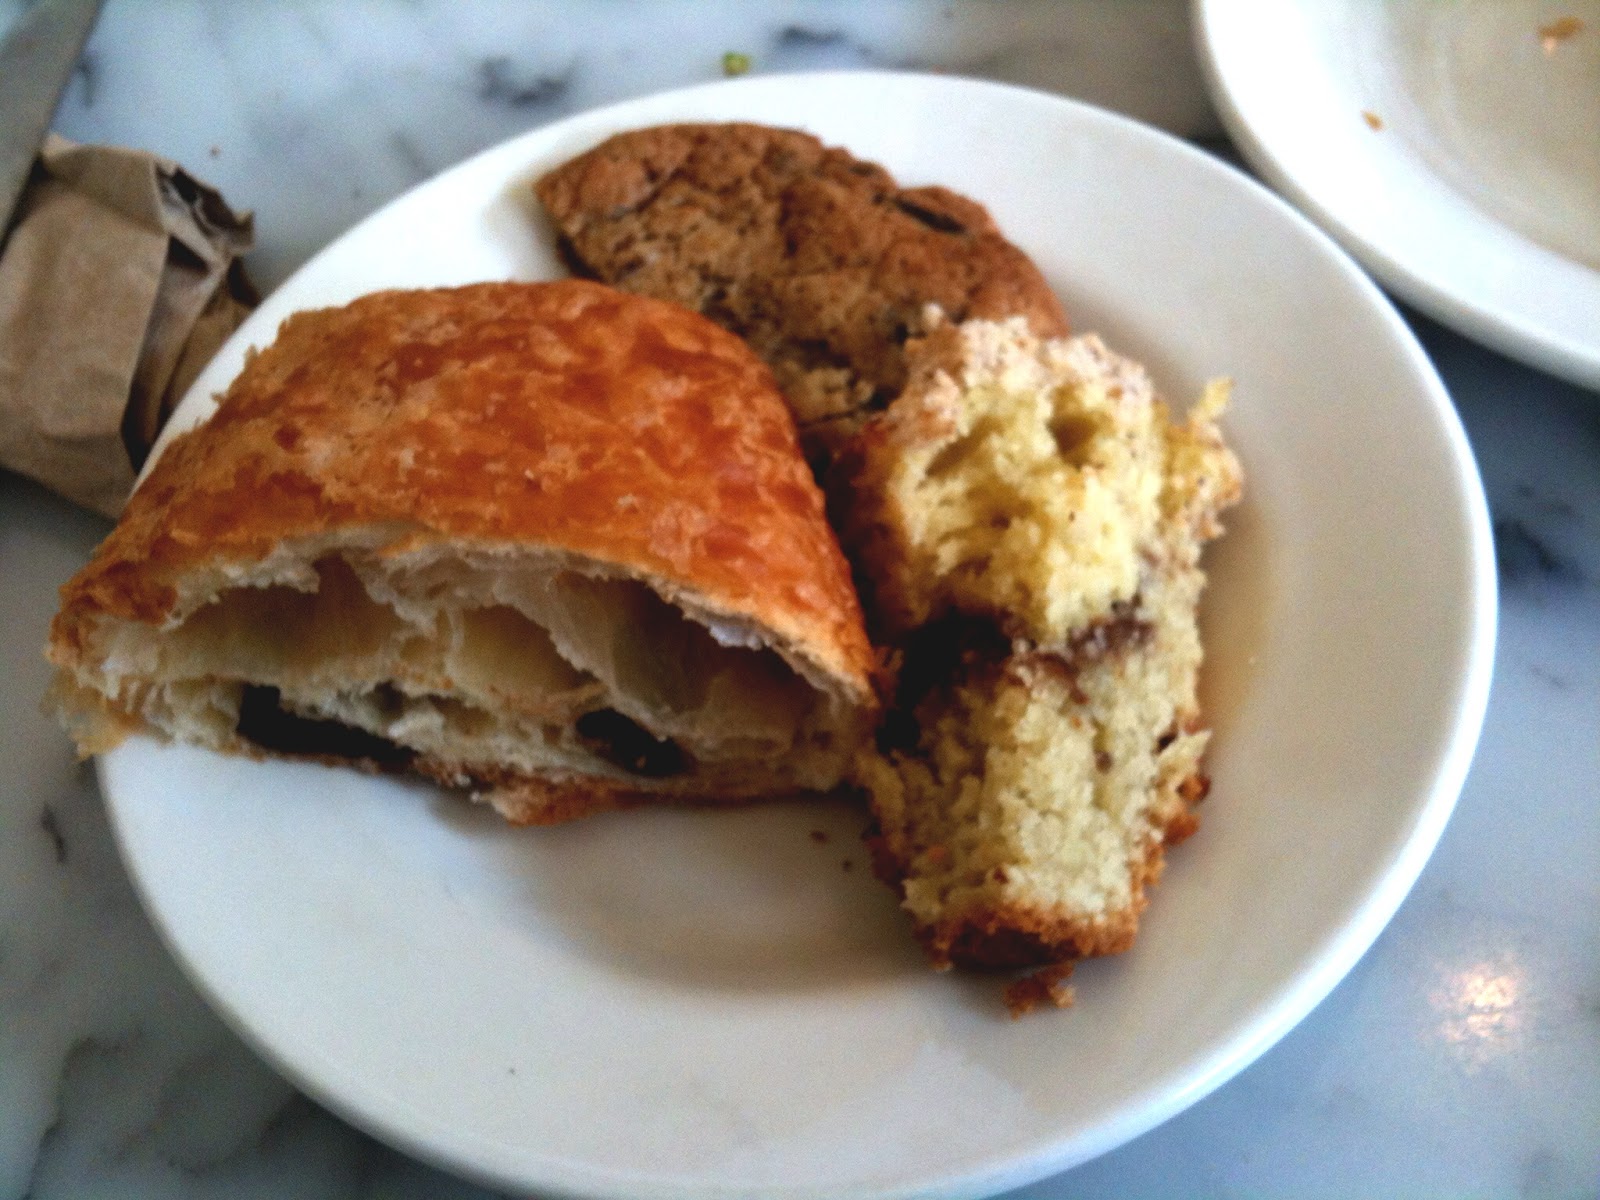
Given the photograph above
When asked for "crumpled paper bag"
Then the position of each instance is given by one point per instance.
(119, 280)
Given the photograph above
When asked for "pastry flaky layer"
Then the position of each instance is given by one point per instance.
(1029, 518)
(552, 543)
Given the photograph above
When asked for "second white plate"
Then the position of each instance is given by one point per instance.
(1454, 148)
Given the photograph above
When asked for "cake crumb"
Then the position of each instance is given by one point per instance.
(1373, 120)
(1048, 985)
(1552, 35)
(1033, 518)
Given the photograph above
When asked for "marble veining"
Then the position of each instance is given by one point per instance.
(1461, 1056)
(1520, 554)
(382, 96)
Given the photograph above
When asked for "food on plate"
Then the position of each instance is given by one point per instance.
(1028, 520)
(1560, 30)
(819, 260)
(1022, 514)
(1030, 481)
(552, 543)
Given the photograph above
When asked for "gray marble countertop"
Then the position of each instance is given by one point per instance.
(1461, 1057)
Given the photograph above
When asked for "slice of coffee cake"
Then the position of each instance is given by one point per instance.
(1029, 520)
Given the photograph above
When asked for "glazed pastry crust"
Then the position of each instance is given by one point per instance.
(607, 435)
(562, 415)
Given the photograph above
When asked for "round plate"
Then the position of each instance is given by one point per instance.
(1453, 148)
(715, 1004)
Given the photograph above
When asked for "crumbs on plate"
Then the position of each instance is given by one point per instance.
(1560, 30)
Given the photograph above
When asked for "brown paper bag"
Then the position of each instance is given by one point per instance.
(119, 280)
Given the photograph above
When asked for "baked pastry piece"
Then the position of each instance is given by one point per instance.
(1030, 519)
(552, 543)
(820, 261)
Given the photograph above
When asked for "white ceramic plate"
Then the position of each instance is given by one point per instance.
(1477, 197)
(710, 1004)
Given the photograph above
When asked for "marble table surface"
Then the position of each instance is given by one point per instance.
(1461, 1057)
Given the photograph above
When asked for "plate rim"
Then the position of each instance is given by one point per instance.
(1505, 328)
(1272, 1018)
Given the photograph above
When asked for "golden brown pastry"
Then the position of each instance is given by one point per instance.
(551, 543)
